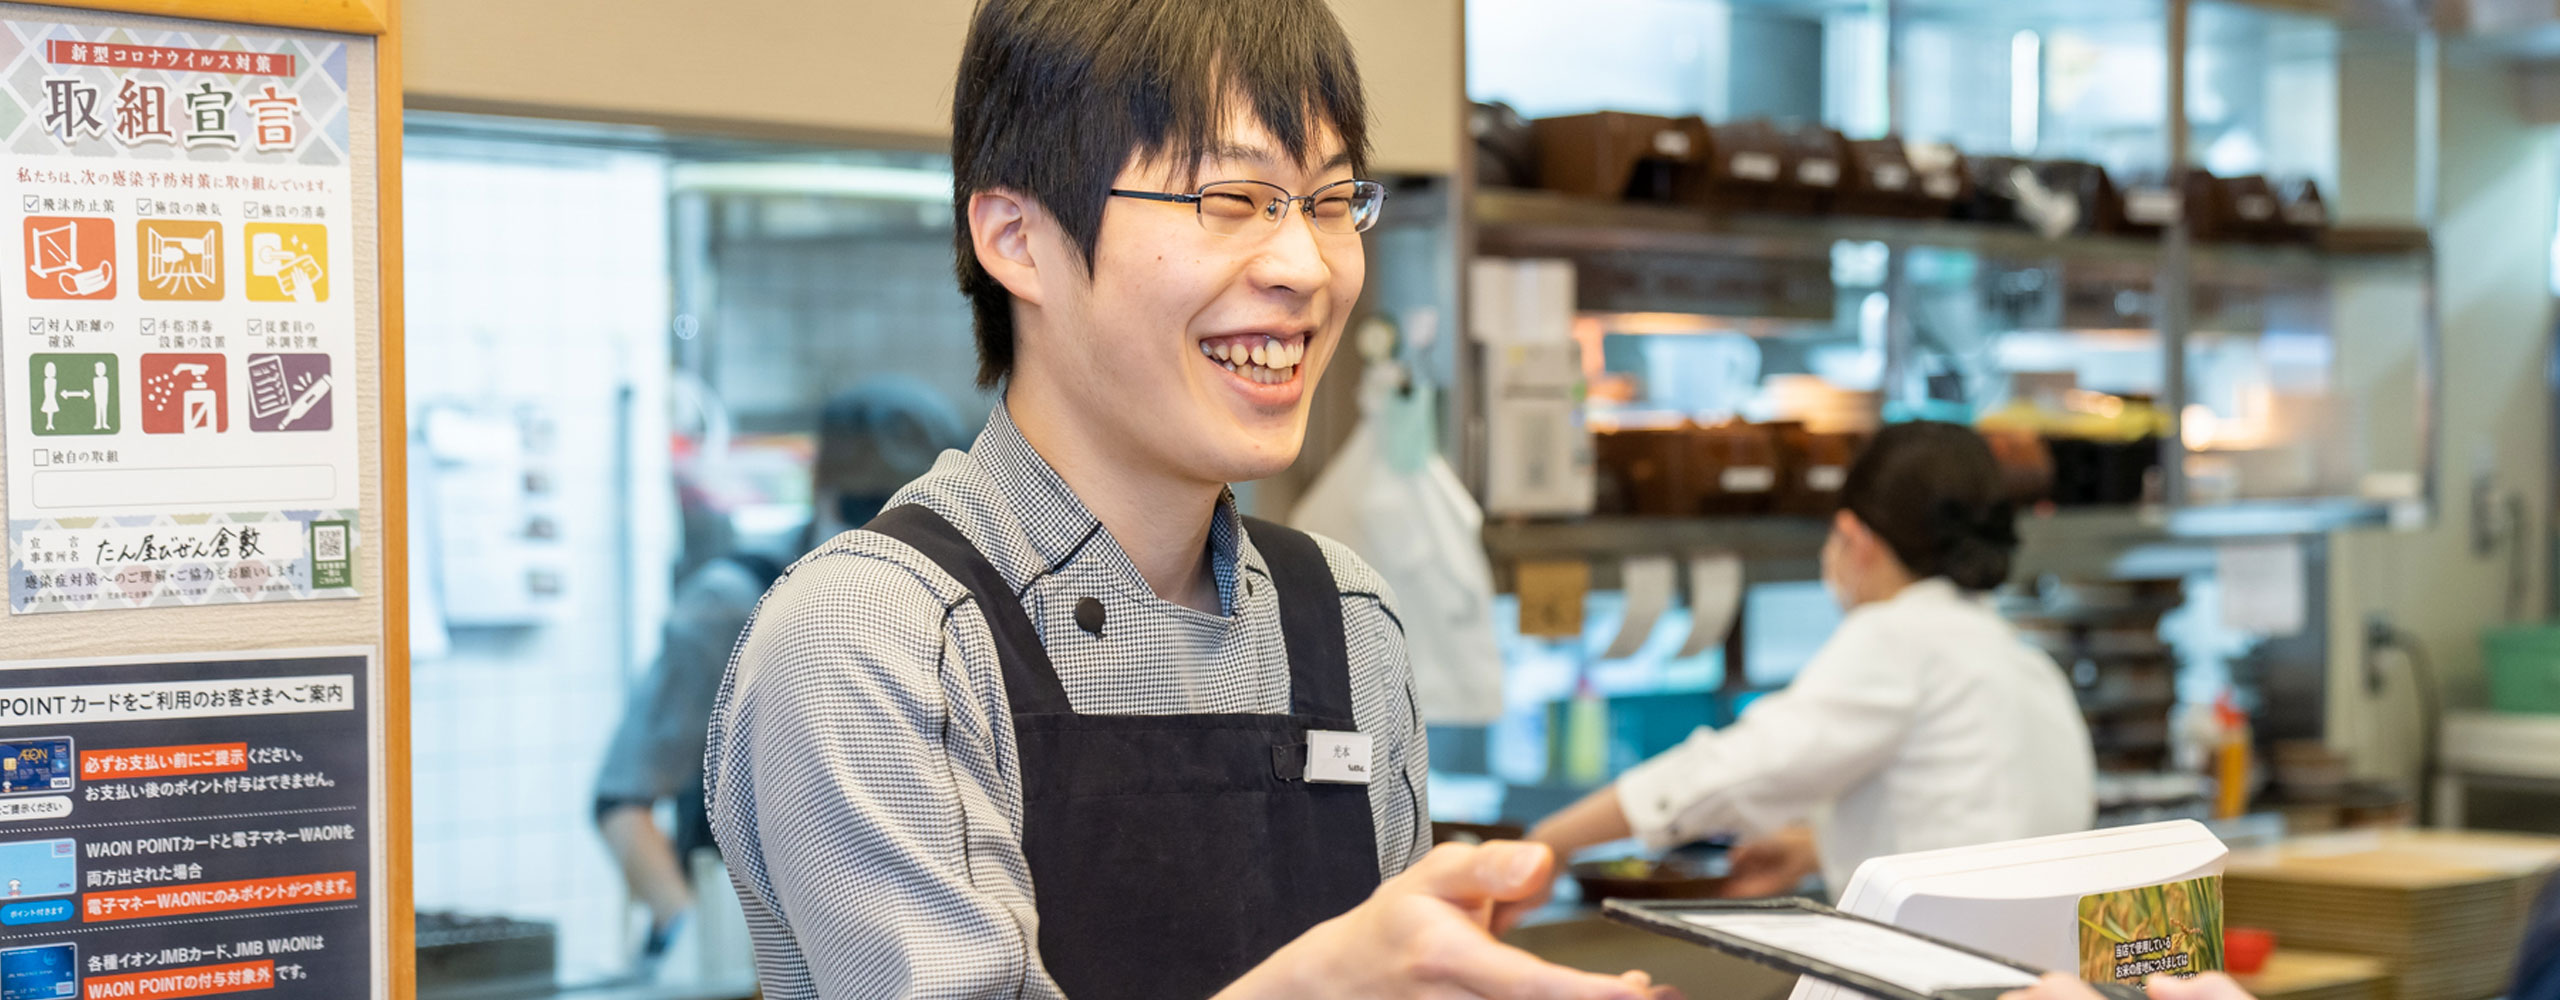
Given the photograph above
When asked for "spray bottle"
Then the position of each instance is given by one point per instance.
(199, 407)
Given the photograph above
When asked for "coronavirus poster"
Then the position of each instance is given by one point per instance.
(178, 321)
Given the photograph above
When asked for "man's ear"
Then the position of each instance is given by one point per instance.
(1000, 224)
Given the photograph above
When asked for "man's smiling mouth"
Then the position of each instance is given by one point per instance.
(1258, 357)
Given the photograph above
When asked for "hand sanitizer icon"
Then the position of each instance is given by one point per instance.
(199, 405)
(184, 394)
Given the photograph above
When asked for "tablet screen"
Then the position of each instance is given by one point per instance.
(1914, 963)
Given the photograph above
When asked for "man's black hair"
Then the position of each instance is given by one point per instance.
(1056, 97)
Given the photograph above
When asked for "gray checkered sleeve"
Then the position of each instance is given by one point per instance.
(887, 825)
(861, 770)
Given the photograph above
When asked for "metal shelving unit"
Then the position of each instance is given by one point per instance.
(2084, 542)
(1518, 222)
(1769, 274)
(1930, 302)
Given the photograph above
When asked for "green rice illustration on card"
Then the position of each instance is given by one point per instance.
(2172, 929)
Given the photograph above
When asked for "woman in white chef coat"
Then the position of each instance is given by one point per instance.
(1924, 723)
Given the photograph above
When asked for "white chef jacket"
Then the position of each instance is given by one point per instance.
(1924, 723)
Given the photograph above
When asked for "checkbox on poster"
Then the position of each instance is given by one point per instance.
(35, 325)
(32, 203)
(42, 457)
(147, 323)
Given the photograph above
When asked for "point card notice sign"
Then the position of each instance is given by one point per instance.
(2171, 929)
(177, 343)
(179, 828)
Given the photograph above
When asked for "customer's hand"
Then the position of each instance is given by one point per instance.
(1773, 865)
(2209, 986)
(1425, 933)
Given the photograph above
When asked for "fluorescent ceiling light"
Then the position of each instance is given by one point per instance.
(823, 179)
(2026, 92)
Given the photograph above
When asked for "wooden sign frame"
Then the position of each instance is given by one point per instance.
(387, 536)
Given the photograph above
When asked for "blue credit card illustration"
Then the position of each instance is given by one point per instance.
(46, 973)
(38, 765)
(33, 869)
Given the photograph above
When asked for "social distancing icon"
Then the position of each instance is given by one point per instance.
(74, 394)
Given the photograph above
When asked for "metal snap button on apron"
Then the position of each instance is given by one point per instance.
(1089, 616)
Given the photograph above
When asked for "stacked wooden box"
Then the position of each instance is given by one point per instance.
(2295, 974)
(2444, 911)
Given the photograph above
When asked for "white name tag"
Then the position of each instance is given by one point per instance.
(1338, 758)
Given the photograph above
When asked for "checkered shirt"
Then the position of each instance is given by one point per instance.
(861, 769)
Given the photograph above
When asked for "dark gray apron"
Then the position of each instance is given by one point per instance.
(1171, 853)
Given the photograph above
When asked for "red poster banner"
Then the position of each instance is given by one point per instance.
(68, 53)
(217, 897)
(202, 981)
(162, 762)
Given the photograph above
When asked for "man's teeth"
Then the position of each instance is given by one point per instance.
(1268, 360)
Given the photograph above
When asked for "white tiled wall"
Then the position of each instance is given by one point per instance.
(800, 320)
(537, 277)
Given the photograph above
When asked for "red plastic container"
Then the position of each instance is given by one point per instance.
(2245, 949)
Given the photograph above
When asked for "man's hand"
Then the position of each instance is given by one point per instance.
(1772, 865)
(1425, 933)
(2209, 986)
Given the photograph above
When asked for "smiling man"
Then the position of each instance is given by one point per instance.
(1062, 722)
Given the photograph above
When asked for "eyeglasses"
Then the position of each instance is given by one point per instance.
(1233, 208)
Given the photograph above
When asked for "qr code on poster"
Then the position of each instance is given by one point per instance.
(329, 544)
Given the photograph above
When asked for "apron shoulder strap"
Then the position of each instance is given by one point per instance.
(1030, 682)
(1310, 619)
